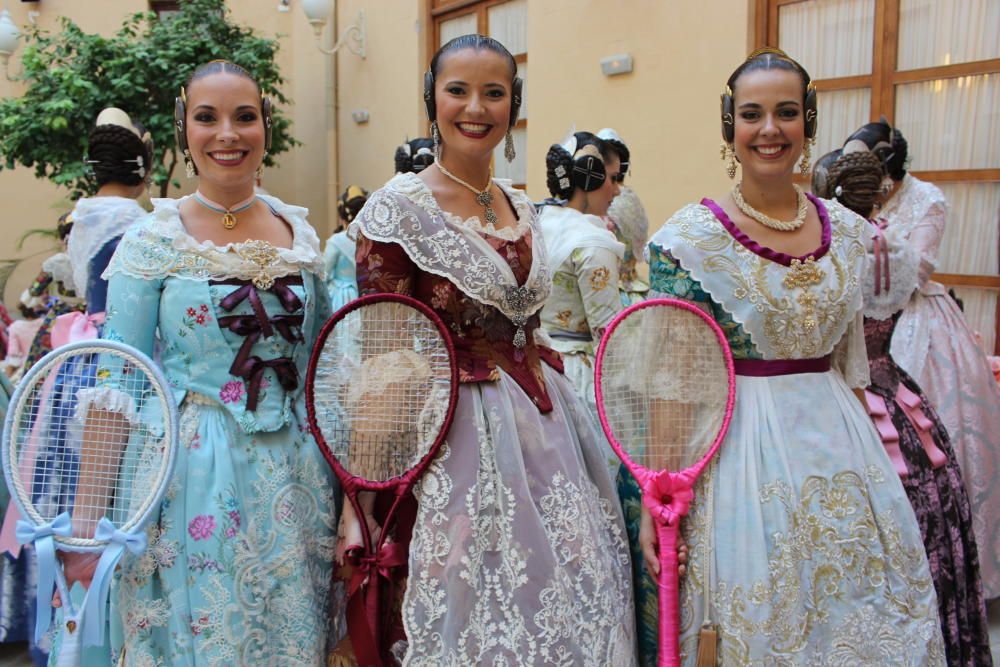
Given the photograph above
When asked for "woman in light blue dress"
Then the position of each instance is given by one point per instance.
(341, 282)
(231, 295)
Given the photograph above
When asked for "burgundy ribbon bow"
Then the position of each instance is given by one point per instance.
(668, 495)
(881, 251)
(252, 370)
(363, 620)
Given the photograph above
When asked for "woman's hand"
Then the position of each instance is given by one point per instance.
(77, 567)
(649, 543)
(350, 534)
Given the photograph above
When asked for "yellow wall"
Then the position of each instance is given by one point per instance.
(666, 109)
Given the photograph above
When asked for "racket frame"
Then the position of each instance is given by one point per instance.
(667, 533)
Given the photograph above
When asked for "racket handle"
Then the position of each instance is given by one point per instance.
(670, 621)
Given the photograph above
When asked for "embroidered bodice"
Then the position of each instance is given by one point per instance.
(229, 322)
(770, 305)
(407, 245)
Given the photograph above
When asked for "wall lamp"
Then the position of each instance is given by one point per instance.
(317, 11)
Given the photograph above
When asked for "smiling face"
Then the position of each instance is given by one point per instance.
(770, 128)
(472, 91)
(225, 130)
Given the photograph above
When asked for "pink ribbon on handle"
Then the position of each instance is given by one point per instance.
(75, 326)
(668, 495)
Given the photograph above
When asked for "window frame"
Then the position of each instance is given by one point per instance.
(882, 81)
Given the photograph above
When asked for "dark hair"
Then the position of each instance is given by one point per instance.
(880, 132)
(218, 67)
(477, 42)
(621, 150)
(117, 155)
(65, 224)
(769, 60)
(418, 156)
(560, 157)
(855, 180)
(351, 201)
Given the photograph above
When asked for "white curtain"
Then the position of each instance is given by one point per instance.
(951, 123)
(456, 27)
(508, 24)
(971, 242)
(839, 112)
(831, 38)
(945, 32)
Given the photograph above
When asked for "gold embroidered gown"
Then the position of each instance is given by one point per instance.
(813, 553)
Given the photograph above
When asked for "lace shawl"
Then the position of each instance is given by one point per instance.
(405, 212)
(630, 215)
(97, 220)
(911, 203)
(783, 322)
(160, 246)
(565, 229)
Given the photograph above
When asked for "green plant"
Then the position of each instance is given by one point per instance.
(72, 75)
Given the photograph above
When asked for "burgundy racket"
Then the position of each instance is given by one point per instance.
(380, 392)
(665, 392)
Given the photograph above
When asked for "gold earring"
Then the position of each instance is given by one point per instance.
(189, 169)
(436, 138)
(804, 164)
(728, 155)
(508, 147)
(260, 171)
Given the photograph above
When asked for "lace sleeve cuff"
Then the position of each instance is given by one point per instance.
(105, 398)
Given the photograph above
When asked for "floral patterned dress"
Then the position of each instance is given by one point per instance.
(518, 554)
(341, 282)
(238, 567)
(933, 343)
(800, 531)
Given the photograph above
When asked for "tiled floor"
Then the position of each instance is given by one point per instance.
(16, 655)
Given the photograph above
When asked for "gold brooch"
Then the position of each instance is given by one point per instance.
(803, 274)
(264, 255)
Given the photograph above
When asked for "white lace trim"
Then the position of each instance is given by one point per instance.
(405, 212)
(105, 398)
(160, 246)
(97, 220)
(476, 224)
(741, 282)
(61, 269)
(910, 204)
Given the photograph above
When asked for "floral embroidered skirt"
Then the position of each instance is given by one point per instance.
(238, 567)
(814, 553)
(519, 555)
(934, 345)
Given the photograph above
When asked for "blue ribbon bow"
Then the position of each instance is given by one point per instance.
(97, 598)
(43, 537)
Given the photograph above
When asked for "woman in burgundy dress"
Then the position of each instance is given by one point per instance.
(914, 437)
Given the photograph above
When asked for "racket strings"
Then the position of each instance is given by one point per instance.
(88, 438)
(664, 384)
(381, 389)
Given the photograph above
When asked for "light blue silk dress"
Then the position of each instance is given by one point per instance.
(341, 278)
(238, 567)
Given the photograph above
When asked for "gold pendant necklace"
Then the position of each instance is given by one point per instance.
(483, 197)
(228, 214)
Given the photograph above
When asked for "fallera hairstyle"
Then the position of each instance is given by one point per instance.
(768, 58)
(117, 155)
(414, 155)
(220, 67)
(350, 202)
(560, 181)
(881, 132)
(855, 180)
(473, 41)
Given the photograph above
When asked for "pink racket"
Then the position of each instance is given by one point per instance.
(665, 391)
(381, 392)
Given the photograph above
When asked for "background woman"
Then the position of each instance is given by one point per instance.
(915, 438)
(497, 572)
(583, 252)
(226, 285)
(338, 258)
(812, 554)
(933, 343)
(414, 155)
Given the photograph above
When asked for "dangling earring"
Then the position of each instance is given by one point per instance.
(189, 169)
(260, 171)
(804, 164)
(436, 137)
(508, 147)
(728, 155)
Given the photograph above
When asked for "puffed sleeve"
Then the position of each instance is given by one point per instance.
(596, 272)
(850, 356)
(926, 236)
(383, 267)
